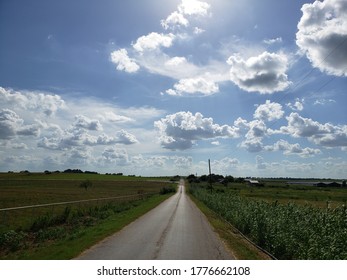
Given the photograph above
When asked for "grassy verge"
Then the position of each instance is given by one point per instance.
(240, 247)
(81, 237)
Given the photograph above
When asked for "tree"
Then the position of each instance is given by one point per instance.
(86, 184)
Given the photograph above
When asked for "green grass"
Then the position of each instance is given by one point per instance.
(35, 189)
(63, 231)
(81, 237)
(281, 192)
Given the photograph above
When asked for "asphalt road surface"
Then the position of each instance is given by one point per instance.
(174, 230)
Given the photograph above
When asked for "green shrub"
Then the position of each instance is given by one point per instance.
(165, 190)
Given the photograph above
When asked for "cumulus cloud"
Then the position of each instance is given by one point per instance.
(86, 123)
(114, 155)
(304, 127)
(269, 111)
(77, 157)
(179, 131)
(297, 105)
(124, 62)
(78, 137)
(224, 165)
(265, 73)
(194, 7)
(154, 161)
(322, 35)
(252, 145)
(256, 130)
(175, 19)
(182, 162)
(11, 125)
(48, 104)
(153, 41)
(260, 163)
(194, 85)
(292, 149)
(124, 137)
(327, 135)
(186, 8)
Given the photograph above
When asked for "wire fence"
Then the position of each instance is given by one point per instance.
(24, 216)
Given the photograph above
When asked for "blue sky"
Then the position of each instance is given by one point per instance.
(258, 87)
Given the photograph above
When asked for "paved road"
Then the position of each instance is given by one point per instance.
(176, 229)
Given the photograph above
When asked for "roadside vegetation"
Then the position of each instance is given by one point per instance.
(64, 231)
(290, 222)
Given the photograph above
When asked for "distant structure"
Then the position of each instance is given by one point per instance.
(253, 183)
(329, 184)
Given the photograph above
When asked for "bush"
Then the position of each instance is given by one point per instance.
(86, 184)
(12, 240)
(165, 190)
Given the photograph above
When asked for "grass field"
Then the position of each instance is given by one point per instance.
(282, 192)
(36, 188)
(62, 231)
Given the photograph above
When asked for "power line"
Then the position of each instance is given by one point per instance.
(313, 69)
(309, 73)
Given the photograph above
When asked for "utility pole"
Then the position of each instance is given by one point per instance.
(209, 169)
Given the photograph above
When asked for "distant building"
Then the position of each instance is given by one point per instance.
(252, 182)
(328, 184)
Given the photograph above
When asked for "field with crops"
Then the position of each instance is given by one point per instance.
(289, 223)
(42, 211)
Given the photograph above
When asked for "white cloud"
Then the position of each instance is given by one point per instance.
(200, 85)
(327, 135)
(9, 123)
(180, 130)
(292, 149)
(182, 162)
(124, 137)
(175, 61)
(12, 125)
(193, 7)
(114, 155)
(305, 127)
(252, 145)
(224, 165)
(324, 101)
(78, 137)
(322, 35)
(178, 18)
(273, 41)
(265, 73)
(114, 118)
(297, 105)
(198, 30)
(124, 62)
(260, 163)
(257, 129)
(174, 20)
(48, 104)
(77, 157)
(269, 111)
(84, 122)
(153, 41)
